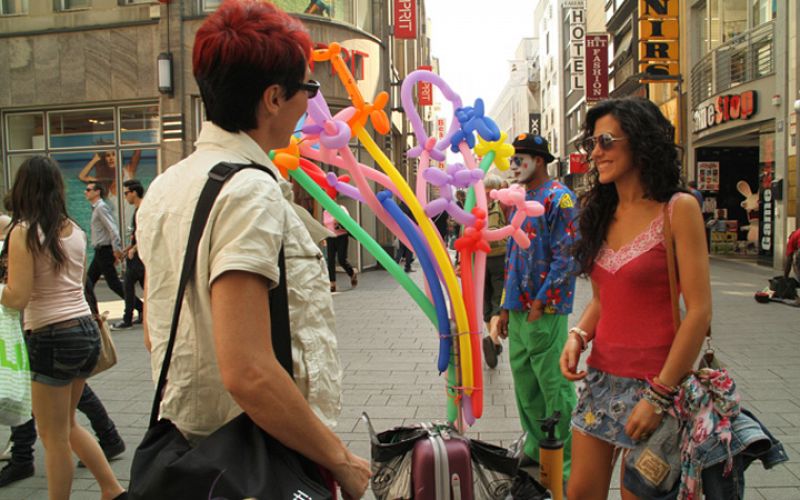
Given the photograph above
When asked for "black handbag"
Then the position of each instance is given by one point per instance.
(239, 460)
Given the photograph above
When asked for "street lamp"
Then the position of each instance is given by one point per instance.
(165, 73)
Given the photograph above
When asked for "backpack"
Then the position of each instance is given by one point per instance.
(495, 220)
(784, 288)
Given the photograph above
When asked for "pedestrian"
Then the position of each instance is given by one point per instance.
(106, 243)
(134, 269)
(23, 437)
(539, 290)
(495, 271)
(251, 65)
(337, 247)
(405, 254)
(46, 266)
(696, 193)
(635, 177)
(791, 259)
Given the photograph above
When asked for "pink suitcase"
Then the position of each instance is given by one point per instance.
(441, 467)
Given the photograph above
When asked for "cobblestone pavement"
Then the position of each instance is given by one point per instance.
(388, 351)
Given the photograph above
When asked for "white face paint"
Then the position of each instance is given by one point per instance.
(523, 167)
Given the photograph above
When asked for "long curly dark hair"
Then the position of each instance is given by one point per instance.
(650, 137)
(37, 199)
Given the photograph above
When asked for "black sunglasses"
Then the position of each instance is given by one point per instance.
(311, 87)
(90, 189)
(605, 141)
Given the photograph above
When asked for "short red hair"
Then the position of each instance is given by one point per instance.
(241, 49)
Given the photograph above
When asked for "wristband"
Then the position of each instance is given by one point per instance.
(582, 335)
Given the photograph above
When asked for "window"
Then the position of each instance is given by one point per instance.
(62, 5)
(763, 11)
(734, 20)
(209, 5)
(132, 2)
(81, 128)
(25, 131)
(13, 7)
(139, 125)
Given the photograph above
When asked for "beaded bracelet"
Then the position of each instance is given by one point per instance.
(582, 335)
(661, 404)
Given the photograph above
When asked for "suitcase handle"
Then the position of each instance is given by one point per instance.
(455, 482)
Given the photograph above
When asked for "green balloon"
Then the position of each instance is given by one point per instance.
(369, 243)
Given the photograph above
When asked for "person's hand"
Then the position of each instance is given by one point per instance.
(131, 253)
(570, 356)
(502, 324)
(643, 421)
(537, 309)
(353, 476)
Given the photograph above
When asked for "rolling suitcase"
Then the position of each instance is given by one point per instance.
(441, 467)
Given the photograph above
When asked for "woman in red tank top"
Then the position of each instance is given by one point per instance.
(636, 354)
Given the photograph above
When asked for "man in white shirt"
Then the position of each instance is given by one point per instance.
(106, 243)
(250, 61)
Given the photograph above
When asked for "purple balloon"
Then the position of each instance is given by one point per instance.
(416, 122)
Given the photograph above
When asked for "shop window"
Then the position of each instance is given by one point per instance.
(139, 125)
(763, 11)
(14, 162)
(734, 21)
(63, 5)
(209, 5)
(13, 7)
(25, 131)
(81, 128)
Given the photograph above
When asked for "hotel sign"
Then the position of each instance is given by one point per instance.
(659, 27)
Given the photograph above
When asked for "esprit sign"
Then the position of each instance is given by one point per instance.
(596, 67)
(659, 50)
(353, 58)
(725, 108)
(405, 19)
(425, 90)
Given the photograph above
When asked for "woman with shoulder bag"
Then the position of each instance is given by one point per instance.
(638, 358)
(47, 252)
(250, 61)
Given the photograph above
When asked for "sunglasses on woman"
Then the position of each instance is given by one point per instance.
(605, 141)
(311, 87)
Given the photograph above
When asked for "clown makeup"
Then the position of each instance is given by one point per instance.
(523, 167)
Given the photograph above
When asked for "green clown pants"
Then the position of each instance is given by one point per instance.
(539, 386)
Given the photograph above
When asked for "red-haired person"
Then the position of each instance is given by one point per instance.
(251, 64)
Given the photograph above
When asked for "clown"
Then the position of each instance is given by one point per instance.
(538, 294)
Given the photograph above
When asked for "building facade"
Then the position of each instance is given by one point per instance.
(741, 122)
(106, 86)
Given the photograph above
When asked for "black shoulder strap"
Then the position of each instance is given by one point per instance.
(278, 298)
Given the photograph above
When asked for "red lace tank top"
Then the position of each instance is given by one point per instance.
(635, 330)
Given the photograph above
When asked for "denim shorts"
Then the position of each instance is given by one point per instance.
(605, 402)
(60, 355)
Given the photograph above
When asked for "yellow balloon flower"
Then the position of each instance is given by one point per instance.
(502, 150)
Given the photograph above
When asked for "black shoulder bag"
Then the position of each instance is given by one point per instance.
(239, 460)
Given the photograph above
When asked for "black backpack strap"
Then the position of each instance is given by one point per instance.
(278, 297)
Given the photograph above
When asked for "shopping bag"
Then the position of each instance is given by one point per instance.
(15, 374)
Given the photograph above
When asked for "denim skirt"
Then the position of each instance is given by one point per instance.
(605, 402)
(59, 355)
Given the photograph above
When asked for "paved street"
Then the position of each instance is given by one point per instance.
(388, 351)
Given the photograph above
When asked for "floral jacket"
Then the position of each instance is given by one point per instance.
(545, 270)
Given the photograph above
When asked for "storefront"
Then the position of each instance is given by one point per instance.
(106, 144)
(734, 162)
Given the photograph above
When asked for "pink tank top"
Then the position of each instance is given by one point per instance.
(635, 330)
(58, 295)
